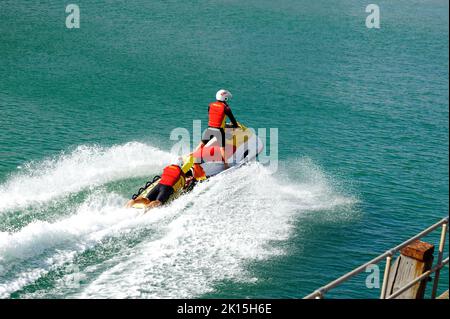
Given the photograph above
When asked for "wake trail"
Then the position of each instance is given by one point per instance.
(205, 237)
(85, 167)
(40, 247)
(215, 232)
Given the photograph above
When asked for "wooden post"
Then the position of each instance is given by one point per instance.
(414, 260)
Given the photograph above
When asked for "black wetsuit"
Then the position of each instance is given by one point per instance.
(160, 192)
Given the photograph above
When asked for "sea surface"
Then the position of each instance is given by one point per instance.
(86, 116)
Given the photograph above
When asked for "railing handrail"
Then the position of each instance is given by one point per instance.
(389, 253)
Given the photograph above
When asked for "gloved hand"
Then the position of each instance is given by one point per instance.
(242, 127)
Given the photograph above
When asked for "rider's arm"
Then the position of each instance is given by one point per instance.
(231, 116)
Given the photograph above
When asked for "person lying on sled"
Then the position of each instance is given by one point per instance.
(173, 178)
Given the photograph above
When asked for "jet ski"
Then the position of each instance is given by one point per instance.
(241, 145)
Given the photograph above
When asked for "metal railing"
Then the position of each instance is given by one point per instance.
(388, 255)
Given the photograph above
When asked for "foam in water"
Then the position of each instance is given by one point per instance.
(50, 245)
(227, 226)
(206, 236)
(86, 166)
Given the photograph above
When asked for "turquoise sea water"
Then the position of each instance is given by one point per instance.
(86, 116)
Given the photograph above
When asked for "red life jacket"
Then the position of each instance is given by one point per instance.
(171, 175)
(199, 173)
(216, 114)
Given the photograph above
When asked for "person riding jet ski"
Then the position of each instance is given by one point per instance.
(174, 178)
(218, 111)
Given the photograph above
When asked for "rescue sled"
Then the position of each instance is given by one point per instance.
(241, 145)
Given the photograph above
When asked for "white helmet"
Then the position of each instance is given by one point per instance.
(223, 95)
